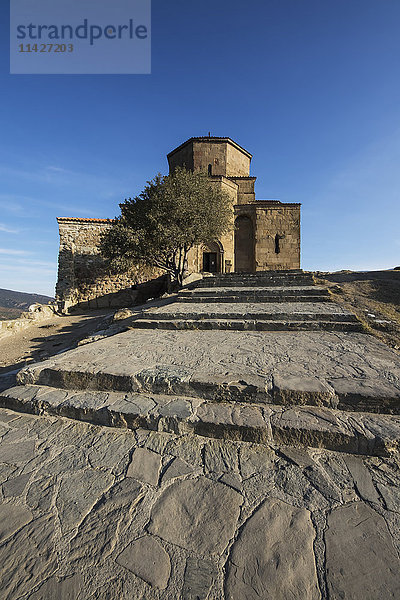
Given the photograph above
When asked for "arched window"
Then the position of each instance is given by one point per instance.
(210, 170)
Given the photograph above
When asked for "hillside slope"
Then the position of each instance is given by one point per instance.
(374, 296)
(12, 303)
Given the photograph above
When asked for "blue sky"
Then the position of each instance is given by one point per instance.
(310, 88)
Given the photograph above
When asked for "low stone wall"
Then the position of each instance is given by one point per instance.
(83, 278)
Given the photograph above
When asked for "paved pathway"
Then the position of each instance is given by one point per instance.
(212, 464)
(96, 513)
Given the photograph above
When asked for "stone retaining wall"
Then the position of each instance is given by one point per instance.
(83, 277)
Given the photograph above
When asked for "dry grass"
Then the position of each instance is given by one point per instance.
(374, 296)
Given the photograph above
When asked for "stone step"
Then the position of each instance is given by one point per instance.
(259, 298)
(307, 426)
(345, 394)
(247, 325)
(261, 273)
(255, 282)
(258, 275)
(229, 315)
(255, 291)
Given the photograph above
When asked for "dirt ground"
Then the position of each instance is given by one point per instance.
(374, 296)
(48, 337)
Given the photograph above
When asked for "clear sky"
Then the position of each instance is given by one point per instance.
(310, 87)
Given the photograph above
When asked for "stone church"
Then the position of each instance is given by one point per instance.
(265, 236)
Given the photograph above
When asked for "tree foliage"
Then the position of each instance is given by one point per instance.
(172, 214)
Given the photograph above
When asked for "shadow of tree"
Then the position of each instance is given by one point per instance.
(64, 338)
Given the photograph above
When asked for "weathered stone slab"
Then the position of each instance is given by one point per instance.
(17, 452)
(199, 578)
(259, 324)
(362, 479)
(163, 379)
(322, 482)
(220, 456)
(298, 390)
(12, 518)
(59, 589)
(391, 496)
(361, 561)
(232, 421)
(147, 559)
(298, 456)
(249, 310)
(67, 460)
(232, 386)
(233, 480)
(367, 394)
(79, 491)
(273, 556)
(16, 485)
(111, 450)
(255, 460)
(40, 494)
(51, 557)
(97, 533)
(319, 427)
(199, 515)
(132, 404)
(145, 466)
(356, 432)
(7, 416)
(180, 408)
(177, 468)
(27, 558)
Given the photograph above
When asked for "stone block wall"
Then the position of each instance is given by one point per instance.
(181, 158)
(223, 154)
(237, 161)
(245, 189)
(83, 278)
(277, 234)
(207, 154)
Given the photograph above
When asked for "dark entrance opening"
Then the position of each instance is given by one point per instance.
(210, 262)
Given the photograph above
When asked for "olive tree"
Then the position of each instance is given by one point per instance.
(172, 214)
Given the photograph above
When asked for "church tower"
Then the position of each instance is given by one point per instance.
(265, 233)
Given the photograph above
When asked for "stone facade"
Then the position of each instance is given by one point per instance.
(265, 234)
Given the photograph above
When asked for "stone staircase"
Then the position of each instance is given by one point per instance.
(285, 301)
(331, 387)
(261, 278)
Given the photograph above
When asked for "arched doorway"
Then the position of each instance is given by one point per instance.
(244, 245)
(212, 258)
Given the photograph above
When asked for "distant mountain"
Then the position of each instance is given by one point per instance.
(12, 304)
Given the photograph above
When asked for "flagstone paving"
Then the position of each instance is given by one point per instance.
(206, 518)
(235, 465)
